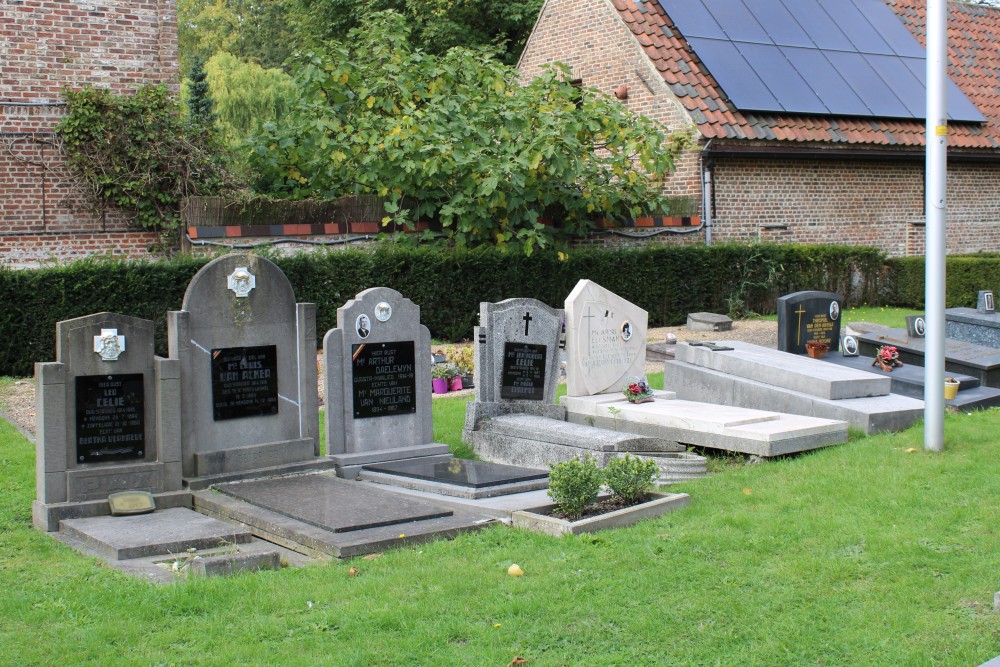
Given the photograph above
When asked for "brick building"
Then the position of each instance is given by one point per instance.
(785, 177)
(45, 46)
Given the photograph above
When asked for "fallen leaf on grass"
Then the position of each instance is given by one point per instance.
(371, 556)
(747, 491)
(518, 660)
(515, 570)
(911, 450)
(353, 572)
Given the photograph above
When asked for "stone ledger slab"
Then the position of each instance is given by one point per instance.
(960, 356)
(891, 412)
(332, 504)
(787, 370)
(972, 326)
(461, 472)
(708, 322)
(169, 531)
(749, 431)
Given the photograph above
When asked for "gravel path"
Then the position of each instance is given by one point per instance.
(17, 400)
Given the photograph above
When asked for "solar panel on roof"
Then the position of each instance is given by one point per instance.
(826, 57)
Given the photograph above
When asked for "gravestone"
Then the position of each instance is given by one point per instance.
(378, 378)
(972, 326)
(605, 340)
(107, 414)
(247, 353)
(985, 303)
(806, 316)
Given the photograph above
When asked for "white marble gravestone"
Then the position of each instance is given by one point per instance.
(378, 381)
(247, 353)
(605, 340)
(106, 418)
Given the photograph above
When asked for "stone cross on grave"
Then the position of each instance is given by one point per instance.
(527, 320)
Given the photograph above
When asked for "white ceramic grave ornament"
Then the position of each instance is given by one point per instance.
(849, 346)
(109, 344)
(383, 311)
(241, 281)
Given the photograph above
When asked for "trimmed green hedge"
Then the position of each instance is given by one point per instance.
(669, 282)
(965, 276)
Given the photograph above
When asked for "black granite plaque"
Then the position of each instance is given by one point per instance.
(384, 379)
(244, 382)
(806, 316)
(523, 377)
(110, 418)
(460, 472)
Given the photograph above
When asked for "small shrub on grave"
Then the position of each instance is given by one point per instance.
(574, 484)
(630, 478)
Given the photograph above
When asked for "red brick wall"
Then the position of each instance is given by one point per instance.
(856, 202)
(46, 45)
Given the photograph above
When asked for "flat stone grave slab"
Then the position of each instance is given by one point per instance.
(737, 429)
(960, 356)
(332, 504)
(709, 322)
(909, 381)
(458, 477)
(786, 370)
(972, 326)
(169, 531)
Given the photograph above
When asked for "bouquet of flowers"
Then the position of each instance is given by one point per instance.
(887, 358)
(638, 391)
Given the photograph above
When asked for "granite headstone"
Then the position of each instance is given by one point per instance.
(806, 316)
(106, 414)
(378, 375)
(605, 340)
(247, 353)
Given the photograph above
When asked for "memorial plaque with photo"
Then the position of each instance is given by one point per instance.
(110, 423)
(244, 382)
(523, 372)
(806, 316)
(384, 379)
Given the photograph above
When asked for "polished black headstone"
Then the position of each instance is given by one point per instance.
(333, 504)
(523, 375)
(806, 316)
(460, 472)
(110, 418)
(384, 379)
(244, 382)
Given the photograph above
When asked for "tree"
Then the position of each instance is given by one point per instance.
(436, 25)
(246, 96)
(257, 30)
(199, 100)
(456, 139)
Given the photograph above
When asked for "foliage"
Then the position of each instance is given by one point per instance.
(965, 276)
(437, 25)
(630, 478)
(137, 152)
(246, 96)
(574, 484)
(199, 99)
(667, 281)
(445, 370)
(458, 141)
(464, 359)
(249, 29)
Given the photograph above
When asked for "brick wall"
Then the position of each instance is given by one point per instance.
(858, 202)
(45, 46)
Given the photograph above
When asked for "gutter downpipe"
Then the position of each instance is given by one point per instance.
(706, 191)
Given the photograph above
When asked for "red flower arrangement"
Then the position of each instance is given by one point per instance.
(887, 358)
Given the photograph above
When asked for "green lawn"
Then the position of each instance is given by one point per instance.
(863, 554)
(887, 315)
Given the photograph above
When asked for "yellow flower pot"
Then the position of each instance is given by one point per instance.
(950, 390)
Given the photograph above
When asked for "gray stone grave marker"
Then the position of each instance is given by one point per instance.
(378, 378)
(107, 414)
(247, 353)
(605, 340)
(985, 303)
(806, 316)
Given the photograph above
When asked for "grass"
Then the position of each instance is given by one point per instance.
(888, 315)
(873, 552)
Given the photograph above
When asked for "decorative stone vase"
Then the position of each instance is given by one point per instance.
(816, 349)
(455, 383)
(951, 389)
(439, 385)
(539, 520)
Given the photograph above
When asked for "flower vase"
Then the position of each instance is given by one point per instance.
(817, 350)
(439, 385)
(455, 383)
(950, 390)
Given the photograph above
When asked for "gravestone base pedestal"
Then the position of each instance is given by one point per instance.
(46, 516)
(458, 477)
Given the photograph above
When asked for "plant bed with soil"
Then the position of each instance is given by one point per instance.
(602, 515)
